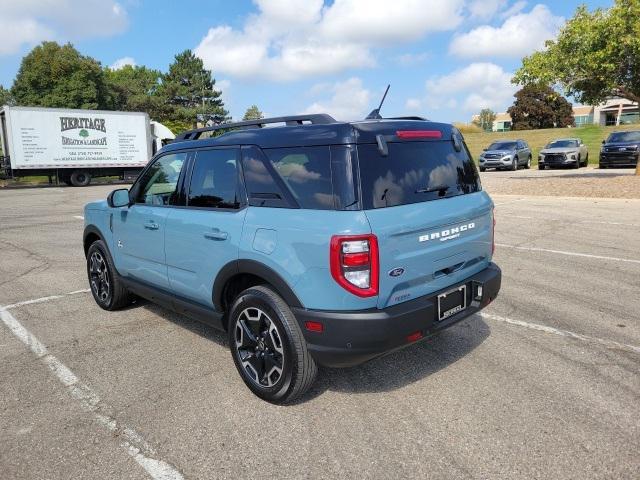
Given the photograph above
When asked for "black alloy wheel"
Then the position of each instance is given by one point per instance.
(259, 347)
(99, 278)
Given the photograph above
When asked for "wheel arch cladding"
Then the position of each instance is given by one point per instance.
(241, 274)
(90, 235)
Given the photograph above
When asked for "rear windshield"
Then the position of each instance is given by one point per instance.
(502, 146)
(415, 172)
(624, 137)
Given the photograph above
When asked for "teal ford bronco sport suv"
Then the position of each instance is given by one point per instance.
(316, 242)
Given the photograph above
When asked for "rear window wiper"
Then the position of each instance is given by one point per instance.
(441, 189)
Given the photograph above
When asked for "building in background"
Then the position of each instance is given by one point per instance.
(615, 111)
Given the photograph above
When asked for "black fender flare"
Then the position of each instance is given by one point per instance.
(258, 269)
(92, 230)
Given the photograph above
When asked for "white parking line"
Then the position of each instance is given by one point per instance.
(611, 223)
(572, 254)
(43, 299)
(563, 333)
(133, 443)
(79, 217)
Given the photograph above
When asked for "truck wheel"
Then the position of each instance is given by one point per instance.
(106, 287)
(528, 164)
(514, 165)
(268, 347)
(80, 178)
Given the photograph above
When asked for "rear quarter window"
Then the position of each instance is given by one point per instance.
(415, 172)
(306, 171)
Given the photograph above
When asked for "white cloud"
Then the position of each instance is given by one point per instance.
(411, 59)
(517, 7)
(289, 39)
(381, 21)
(413, 104)
(121, 62)
(349, 101)
(519, 35)
(477, 86)
(222, 85)
(27, 22)
(485, 9)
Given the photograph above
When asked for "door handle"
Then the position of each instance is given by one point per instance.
(216, 235)
(151, 226)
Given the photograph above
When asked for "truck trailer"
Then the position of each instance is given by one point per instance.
(74, 146)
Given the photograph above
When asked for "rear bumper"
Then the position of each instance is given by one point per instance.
(618, 160)
(353, 337)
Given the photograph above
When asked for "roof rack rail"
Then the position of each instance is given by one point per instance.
(291, 120)
(407, 118)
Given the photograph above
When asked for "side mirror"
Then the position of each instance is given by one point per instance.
(118, 198)
(603, 142)
(485, 149)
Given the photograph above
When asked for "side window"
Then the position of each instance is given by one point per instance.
(214, 180)
(306, 171)
(158, 185)
(259, 178)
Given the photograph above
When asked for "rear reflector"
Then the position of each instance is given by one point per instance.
(414, 336)
(314, 326)
(407, 134)
(355, 259)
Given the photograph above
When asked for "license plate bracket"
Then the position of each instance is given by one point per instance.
(451, 302)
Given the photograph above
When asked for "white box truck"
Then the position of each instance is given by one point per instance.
(75, 145)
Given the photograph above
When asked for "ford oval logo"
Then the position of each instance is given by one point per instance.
(396, 272)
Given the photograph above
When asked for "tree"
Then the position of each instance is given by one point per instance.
(596, 55)
(5, 96)
(539, 106)
(485, 119)
(134, 89)
(54, 75)
(188, 89)
(253, 113)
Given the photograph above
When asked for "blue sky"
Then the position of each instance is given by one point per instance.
(444, 59)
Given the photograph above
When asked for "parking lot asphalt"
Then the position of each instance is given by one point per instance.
(545, 383)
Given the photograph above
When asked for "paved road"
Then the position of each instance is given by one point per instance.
(545, 384)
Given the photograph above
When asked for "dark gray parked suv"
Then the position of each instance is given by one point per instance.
(506, 154)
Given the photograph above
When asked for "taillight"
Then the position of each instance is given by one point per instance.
(408, 134)
(354, 263)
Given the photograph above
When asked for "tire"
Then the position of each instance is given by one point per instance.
(264, 333)
(527, 165)
(483, 169)
(106, 287)
(80, 178)
(541, 167)
(578, 161)
(586, 160)
(601, 167)
(514, 164)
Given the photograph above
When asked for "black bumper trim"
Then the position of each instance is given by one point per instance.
(354, 337)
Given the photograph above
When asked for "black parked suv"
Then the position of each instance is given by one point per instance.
(621, 149)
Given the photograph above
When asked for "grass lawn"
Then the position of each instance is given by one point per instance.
(591, 135)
